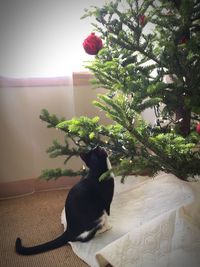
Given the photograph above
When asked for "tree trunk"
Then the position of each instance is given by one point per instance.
(183, 118)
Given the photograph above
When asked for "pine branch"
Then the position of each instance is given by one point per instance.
(49, 174)
(52, 120)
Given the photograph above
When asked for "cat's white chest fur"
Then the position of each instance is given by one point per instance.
(109, 167)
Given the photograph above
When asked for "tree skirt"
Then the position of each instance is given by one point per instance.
(155, 222)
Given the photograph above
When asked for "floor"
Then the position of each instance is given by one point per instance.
(36, 219)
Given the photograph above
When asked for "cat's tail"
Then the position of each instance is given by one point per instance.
(56, 243)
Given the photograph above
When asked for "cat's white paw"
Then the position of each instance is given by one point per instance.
(104, 229)
(109, 226)
(63, 219)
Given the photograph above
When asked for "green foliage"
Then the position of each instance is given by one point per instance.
(180, 152)
(49, 174)
(135, 63)
(142, 68)
(52, 120)
(82, 129)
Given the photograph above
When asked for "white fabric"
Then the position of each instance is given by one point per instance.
(155, 222)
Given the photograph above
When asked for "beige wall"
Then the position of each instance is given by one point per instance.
(84, 94)
(24, 138)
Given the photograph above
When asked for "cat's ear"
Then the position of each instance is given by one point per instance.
(100, 151)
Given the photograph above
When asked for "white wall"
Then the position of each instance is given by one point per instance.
(43, 38)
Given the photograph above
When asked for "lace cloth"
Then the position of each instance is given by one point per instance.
(155, 222)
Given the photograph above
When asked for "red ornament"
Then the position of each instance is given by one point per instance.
(198, 128)
(92, 44)
(142, 19)
(183, 39)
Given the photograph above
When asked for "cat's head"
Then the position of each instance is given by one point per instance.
(96, 159)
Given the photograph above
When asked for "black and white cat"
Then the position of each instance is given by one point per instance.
(86, 208)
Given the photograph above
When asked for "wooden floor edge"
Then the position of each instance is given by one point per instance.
(24, 187)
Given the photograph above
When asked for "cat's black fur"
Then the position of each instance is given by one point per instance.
(85, 204)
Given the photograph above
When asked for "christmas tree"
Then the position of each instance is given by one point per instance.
(147, 56)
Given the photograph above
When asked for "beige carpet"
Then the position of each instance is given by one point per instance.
(36, 219)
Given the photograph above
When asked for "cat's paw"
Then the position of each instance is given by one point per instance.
(63, 219)
(104, 229)
(109, 226)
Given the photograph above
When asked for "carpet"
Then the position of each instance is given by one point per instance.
(36, 219)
